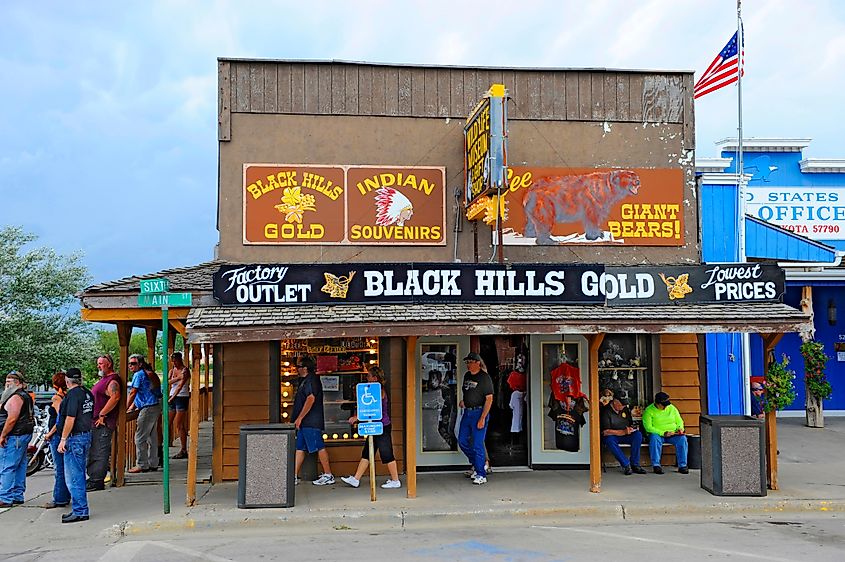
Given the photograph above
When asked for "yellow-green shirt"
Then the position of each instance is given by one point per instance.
(660, 421)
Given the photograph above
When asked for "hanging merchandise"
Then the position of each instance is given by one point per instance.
(517, 381)
(567, 434)
(517, 404)
(566, 383)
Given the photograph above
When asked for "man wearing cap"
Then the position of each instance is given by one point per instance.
(617, 426)
(663, 423)
(74, 426)
(16, 425)
(477, 401)
(309, 420)
(757, 410)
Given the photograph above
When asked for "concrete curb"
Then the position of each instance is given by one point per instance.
(573, 514)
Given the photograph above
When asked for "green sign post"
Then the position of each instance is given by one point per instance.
(154, 294)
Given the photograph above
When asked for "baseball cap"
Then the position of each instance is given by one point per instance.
(661, 398)
(74, 373)
(472, 356)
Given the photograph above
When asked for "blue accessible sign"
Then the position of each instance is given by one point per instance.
(365, 429)
(369, 401)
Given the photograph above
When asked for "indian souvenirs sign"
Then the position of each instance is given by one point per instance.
(560, 206)
(415, 283)
(303, 204)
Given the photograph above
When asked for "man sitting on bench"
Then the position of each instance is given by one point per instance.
(662, 422)
(618, 427)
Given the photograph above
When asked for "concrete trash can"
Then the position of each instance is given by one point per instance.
(266, 465)
(733, 455)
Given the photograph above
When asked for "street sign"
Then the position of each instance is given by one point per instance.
(365, 429)
(369, 401)
(150, 286)
(157, 300)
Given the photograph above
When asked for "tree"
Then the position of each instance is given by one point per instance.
(40, 327)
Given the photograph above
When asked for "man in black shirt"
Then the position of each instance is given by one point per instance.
(309, 420)
(477, 400)
(617, 427)
(76, 413)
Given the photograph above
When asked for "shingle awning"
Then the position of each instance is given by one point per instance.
(234, 324)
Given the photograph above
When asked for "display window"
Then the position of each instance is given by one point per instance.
(625, 370)
(439, 396)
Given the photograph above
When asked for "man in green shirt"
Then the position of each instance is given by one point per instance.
(662, 422)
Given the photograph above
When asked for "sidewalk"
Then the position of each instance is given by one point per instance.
(811, 464)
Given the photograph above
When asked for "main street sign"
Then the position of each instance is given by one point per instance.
(157, 300)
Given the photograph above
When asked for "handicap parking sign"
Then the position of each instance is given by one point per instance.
(369, 401)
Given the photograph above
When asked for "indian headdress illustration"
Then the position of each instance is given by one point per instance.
(392, 207)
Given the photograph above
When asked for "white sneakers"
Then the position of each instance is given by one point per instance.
(324, 480)
(351, 480)
(479, 480)
(354, 482)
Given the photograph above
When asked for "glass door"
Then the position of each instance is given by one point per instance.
(438, 373)
(559, 376)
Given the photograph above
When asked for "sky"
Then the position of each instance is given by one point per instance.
(108, 113)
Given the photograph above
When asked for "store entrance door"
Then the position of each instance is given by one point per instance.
(506, 358)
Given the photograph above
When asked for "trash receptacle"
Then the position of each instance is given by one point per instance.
(266, 465)
(693, 451)
(733, 456)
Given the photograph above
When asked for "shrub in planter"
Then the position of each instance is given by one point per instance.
(815, 360)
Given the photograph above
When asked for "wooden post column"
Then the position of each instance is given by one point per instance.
(411, 415)
(595, 427)
(120, 442)
(152, 334)
(193, 448)
(206, 352)
(769, 343)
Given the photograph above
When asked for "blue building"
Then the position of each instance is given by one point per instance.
(795, 215)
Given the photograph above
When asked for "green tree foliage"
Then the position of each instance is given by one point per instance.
(106, 342)
(40, 327)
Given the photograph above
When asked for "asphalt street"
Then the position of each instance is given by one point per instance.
(816, 538)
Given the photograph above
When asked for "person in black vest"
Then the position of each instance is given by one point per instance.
(16, 425)
(617, 427)
(75, 418)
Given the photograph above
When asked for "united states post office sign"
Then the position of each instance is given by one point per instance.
(419, 283)
(342, 204)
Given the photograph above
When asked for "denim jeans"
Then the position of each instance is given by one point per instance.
(471, 439)
(655, 448)
(13, 468)
(635, 440)
(61, 495)
(76, 457)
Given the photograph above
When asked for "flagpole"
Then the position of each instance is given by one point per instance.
(745, 338)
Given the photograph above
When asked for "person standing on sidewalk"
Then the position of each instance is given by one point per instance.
(663, 423)
(477, 401)
(617, 426)
(144, 397)
(383, 442)
(106, 394)
(74, 425)
(61, 495)
(179, 398)
(309, 420)
(16, 425)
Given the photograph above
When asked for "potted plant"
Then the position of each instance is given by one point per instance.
(815, 382)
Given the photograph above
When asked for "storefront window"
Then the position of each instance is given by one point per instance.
(563, 398)
(439, 396)
(625, 369)
(342, 363)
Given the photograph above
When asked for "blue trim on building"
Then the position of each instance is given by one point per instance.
(767, 241)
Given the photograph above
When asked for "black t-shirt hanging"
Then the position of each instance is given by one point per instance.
(78, 404)
(476, 388)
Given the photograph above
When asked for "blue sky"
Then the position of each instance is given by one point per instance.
(108, 124)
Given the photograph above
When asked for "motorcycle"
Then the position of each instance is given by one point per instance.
(39, 455)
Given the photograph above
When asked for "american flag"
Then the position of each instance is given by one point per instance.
(721, 72)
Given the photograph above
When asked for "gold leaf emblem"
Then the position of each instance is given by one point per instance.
(337, 286)
(677, 286)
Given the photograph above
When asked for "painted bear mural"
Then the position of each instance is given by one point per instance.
(588, 198)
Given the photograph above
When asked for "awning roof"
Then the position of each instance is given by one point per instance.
(233, 324)
(764, 240)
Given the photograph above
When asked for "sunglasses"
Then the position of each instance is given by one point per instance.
(133, 362)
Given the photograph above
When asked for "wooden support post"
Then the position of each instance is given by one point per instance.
(152, 334)
(118, 467)
(193, 447)
(411, 415)
(769, 343)
(206, 362)
(595, 428)
(217, 414)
